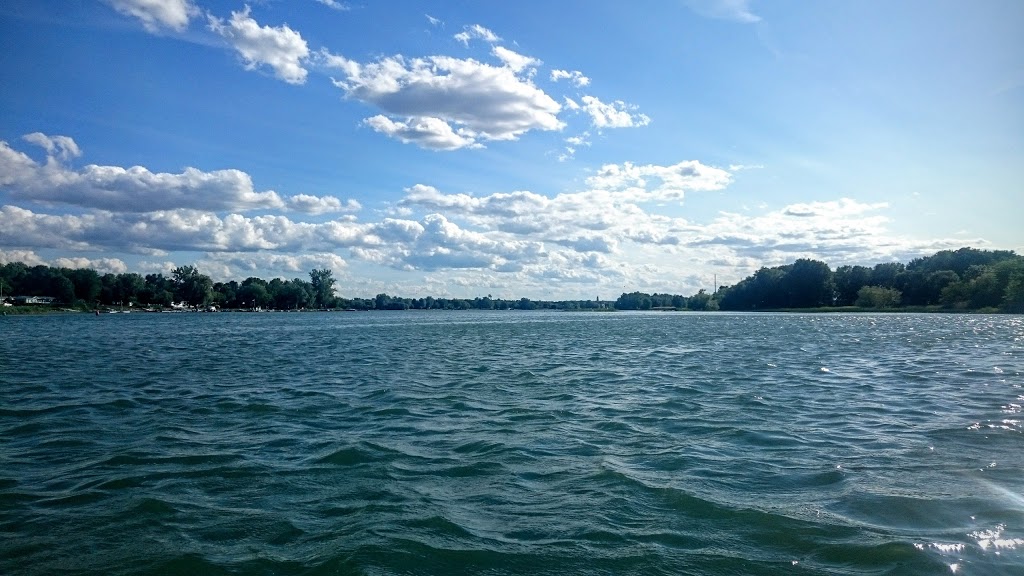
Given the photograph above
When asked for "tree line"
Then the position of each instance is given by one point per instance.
(185, 286)
(964, 279)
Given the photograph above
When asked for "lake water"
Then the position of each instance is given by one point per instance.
(511, 443)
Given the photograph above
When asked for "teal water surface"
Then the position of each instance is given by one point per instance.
(511, 443)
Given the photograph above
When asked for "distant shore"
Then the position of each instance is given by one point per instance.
(38, 310)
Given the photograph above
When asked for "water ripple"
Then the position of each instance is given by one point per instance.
(508, 442)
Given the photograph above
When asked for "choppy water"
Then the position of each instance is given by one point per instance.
(511, 443)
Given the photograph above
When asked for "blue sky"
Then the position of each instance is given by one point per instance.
(540, 149)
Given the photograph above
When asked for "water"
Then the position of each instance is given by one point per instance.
(511, 443)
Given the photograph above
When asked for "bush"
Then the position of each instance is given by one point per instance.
(878, 297)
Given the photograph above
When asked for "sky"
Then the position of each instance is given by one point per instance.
(551, 150)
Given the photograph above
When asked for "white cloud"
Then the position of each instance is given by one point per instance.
(616, 114)
(446, 103)
(434, 21)
(574, 76)
(517, 62)
(156, 232)
(321, 204)
(588, 221)
(605, 227)
(572, 143)
(580, 140)
(832, 210)
(63, 147)
(227, 266)
(281, 48)
(430, 133)
(594, 240)
(101, 265)
(137, 189)
(638, 182)
(478, 32)
(838, 232)
(335, 5)
(154, 14)
(736, 10)
(134, 189)
(15, 167)
(27, 257)
(605, 238)
(568, 242)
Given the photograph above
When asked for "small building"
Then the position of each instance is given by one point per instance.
(33, 300)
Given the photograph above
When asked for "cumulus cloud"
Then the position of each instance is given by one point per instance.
(425, 132)
(652, 182)
(579, 140)
(574, 76)
(153, 232)
(137, 189)
(443, 244)
(616, 114)
(476, 32)
(602, 224)
(156, 14)
(28, 257)
(477, 101)
(281, 48)
(101, 265)
(499, 204)
(515, 61)
(321, 204)
(226, 266)
(606, 237)
(595, 221)
(838, 231)
(600, 237)
(63, 147)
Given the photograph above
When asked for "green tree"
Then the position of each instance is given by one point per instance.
(322, 282)
(1013, 299)
(807, 284)
(634, 301)
(292, 295)
(86, 282)
(878, 297)
(253, 293)
(937, 281)
(701, 301)
(191, 287)
(884, 274)
(159, 290)
(848, 281)
(130, 286)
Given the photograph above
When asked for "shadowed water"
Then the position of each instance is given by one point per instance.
(511, 442)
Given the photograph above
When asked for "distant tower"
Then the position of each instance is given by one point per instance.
(716, 285)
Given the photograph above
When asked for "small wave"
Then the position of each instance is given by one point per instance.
(350, 456)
